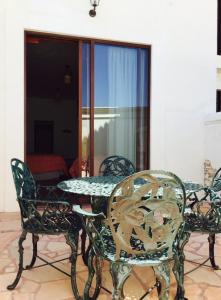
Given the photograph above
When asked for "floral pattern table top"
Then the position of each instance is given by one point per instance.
(102, 186)
(91, 186)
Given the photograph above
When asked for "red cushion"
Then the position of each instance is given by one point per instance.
(73, 171)
(43, 163)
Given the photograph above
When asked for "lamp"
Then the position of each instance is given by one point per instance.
(67, 75)
(94, 3)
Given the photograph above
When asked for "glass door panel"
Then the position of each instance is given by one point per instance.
(85, 109)
(121, 122)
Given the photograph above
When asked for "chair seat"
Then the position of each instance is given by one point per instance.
(107, 251)
(204, 222)
(53, 224)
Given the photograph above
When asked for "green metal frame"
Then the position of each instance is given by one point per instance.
(116, 166)
(203, 213)
(44, 210)
(144, 226)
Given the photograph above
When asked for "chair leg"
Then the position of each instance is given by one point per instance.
(83, 247)
(72, 241)
(178, 267)
(119, 272)
(20, 267)
(212, 241)
(178, 270)
(93, 261)
(162, 273)
(35, 239)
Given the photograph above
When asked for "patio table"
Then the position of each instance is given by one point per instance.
(99, 188)
(102, 186)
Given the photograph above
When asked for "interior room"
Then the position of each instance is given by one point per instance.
(51, 106)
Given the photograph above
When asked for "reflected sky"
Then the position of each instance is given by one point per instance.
(120, 76)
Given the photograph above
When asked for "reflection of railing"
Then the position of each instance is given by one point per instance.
(116, 130)
(112, 110)
(101, 113)
(101, 116)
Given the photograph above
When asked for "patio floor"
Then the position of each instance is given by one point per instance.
(47, 283)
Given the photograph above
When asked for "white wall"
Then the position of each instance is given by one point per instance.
(218, 85)
(183, 83)
(218, 77)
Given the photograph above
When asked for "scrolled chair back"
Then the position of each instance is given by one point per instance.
(145, 213)
(46, 213)
(216, 182)
(116, 166)
(24, 182)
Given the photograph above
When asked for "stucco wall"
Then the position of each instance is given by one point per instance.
(218, 65)
(183, 81)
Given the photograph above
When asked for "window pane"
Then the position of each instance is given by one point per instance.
(121, 103)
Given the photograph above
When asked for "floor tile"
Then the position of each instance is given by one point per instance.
(45, 283)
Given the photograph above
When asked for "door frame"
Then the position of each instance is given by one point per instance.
(92, 42)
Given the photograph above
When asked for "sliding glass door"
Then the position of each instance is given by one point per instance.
(115, 112)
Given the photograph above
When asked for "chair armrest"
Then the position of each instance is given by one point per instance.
(208, 195)
(84, 213)
(46, 187)
(51, 192)
(44, 201)
(47, 216)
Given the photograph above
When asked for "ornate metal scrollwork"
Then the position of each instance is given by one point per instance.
(143, 227)
(44, 210)
(116, 166)
(203, 212)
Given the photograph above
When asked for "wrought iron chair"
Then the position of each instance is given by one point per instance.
(112, 166)
(203, 213)
(117, 166)
(43, 211)
(144, 226)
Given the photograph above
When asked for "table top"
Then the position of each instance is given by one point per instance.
(99, 186)
(102, 186)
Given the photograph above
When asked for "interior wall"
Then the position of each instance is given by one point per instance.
(62, 113)
(183, 81)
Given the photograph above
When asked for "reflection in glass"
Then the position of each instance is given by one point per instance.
(85, 107)
(121, 103)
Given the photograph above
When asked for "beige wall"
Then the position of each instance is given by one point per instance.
(183, 80)
(218, 78)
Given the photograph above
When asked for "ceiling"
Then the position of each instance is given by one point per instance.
(46, 61)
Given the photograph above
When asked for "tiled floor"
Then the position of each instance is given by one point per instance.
(47, 283)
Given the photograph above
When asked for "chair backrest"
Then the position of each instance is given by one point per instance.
(24, 182)
(216, 182)
(117, 166)
(51, 215)
(145, 212)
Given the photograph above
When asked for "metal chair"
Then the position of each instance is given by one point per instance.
(203, 213)
(112, 166)
(144, 226)
(116, 166)
(43, 211)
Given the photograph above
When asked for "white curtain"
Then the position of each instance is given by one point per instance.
(122, 98)
(120, 103)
